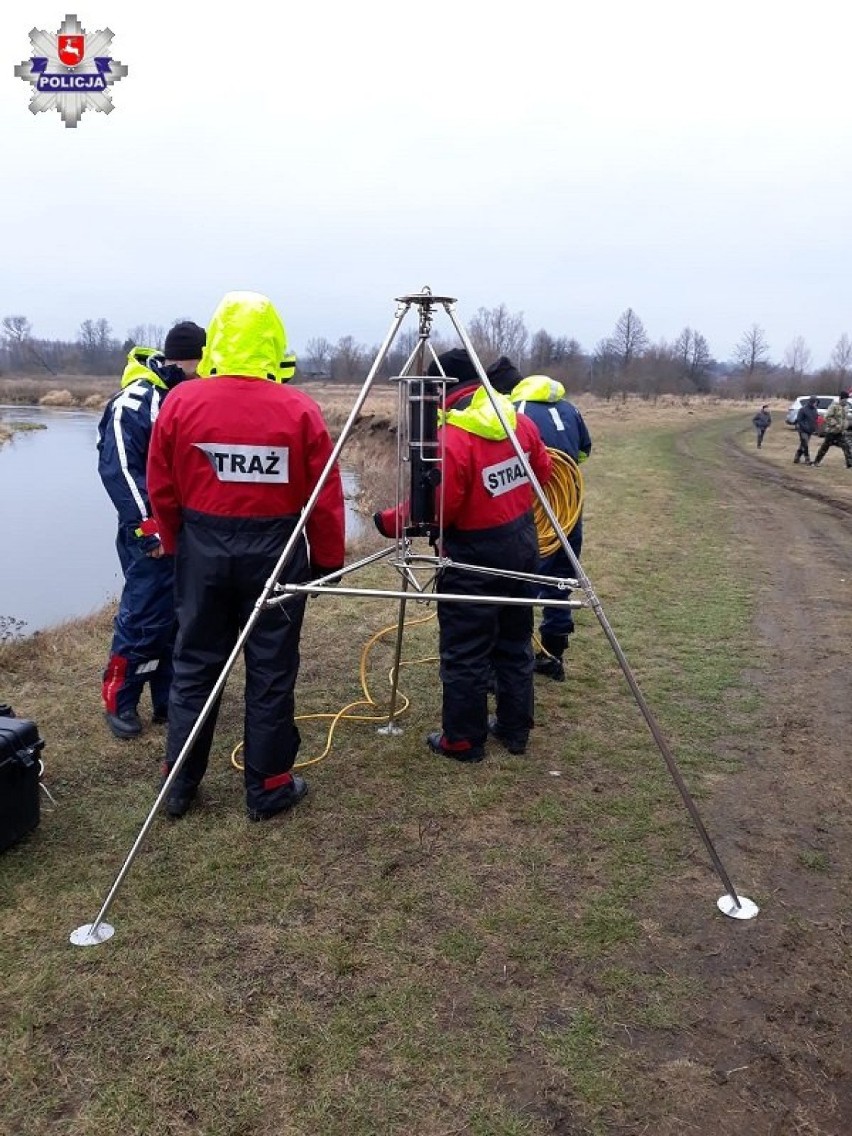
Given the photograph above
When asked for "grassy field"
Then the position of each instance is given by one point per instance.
(420, 948)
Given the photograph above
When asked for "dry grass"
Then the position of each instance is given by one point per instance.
(30, 390)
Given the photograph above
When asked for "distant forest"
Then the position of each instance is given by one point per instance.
(627, 361)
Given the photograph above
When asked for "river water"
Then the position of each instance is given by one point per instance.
(57, 523)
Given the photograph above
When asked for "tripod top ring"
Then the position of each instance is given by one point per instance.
(425, 297)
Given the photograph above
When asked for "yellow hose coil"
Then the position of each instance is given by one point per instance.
(564, 493)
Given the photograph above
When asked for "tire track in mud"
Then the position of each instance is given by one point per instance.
(796, 544)
(804, 531)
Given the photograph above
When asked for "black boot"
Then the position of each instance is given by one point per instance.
(124, 726)
(549, 661)
(179, 801)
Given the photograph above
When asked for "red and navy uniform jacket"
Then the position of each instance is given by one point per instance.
(244, 447)
(483, 483)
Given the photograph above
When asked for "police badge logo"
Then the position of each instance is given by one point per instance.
(71, 71)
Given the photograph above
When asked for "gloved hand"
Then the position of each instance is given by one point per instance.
(385, 522)
(147, 535)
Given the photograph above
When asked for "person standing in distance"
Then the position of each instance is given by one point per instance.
(144, 628)
(234, 460)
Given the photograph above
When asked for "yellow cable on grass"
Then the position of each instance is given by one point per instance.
(367, 701)
(564, 493)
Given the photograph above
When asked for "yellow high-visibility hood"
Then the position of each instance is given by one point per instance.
(138, 367)
(480, 417)
(537, 388)
(246, 336)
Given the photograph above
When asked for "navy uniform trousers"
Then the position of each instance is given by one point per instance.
(221, 568)
(143, 631)
(481, 642)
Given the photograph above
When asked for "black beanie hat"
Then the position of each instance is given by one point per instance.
(504, 375)
(185, 341)
(457, 364)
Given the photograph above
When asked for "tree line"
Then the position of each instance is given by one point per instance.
(626, 361)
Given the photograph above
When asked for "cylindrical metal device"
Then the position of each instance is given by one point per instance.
(424, 400)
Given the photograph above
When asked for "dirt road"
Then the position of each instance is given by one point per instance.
(770, 1052)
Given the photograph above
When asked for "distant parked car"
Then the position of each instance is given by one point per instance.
(823, 402)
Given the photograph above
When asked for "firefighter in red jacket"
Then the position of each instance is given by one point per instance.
(231, 466)
(488, 521)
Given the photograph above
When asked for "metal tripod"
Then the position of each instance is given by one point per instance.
(419, 447)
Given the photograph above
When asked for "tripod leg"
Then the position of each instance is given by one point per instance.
(91, 934)
(736, 908)
(392, 727)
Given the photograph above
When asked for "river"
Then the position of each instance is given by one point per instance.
(57, 523)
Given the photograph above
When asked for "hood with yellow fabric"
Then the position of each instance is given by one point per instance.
(479, 416)
(537, 388)
(143, 363)
(247, 337)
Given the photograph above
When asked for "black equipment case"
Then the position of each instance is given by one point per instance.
(19, 779)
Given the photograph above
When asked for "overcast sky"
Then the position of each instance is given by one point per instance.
(689, 160)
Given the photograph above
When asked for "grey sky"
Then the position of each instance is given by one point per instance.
(690, 160)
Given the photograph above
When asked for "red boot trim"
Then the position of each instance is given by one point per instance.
(454, 747)
(114, 678)
(277, 781)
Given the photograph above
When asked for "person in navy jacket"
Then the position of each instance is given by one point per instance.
(144, 628)
(562, 428)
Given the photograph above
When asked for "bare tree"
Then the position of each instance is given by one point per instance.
(99, 351)
(17, 331)
(21, 348)
(566, 349)
(541, 351)
(560, 357)
(752, 351)
(841, 358)
(348, 362)
(629, 340)
(318, 354)
(497, 331)
(797, 358)
(147, 335)
(694, 359)
(603, 369)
